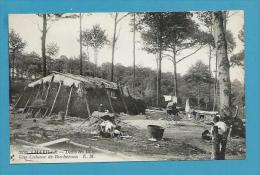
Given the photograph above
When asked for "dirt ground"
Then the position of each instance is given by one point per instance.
(181, 141)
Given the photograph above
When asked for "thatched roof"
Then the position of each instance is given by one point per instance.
(78, 80)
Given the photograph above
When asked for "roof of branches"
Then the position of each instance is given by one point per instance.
(76, 80)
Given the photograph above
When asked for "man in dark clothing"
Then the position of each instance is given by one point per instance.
(219, 138)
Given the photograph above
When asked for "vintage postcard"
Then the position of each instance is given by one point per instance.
(144, 86)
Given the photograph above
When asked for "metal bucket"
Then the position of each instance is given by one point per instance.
(155, 131)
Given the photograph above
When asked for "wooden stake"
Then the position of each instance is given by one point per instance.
(42, 89)
(67, 107)
(29, 109)
(38, 92)
(130, 97)
(26, 104)
(18, 101)
(45, 113)
(49, 87)
(57, 94)
(37, 113)
(123, 98)
(88, 109)
(109, 99)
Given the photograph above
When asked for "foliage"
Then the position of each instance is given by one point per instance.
(207, 21)
(238, 97)
(95, 37)
(238, 58)
(198, 74)
(197, 79)
(178, 32)
(16, 43)
(52, 49)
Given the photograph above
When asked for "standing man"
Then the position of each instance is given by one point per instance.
(219, 133)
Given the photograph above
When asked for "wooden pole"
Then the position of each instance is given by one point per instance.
(130, 97)
(18, 101)
(215, 144)
(42, 89)
(37, 94)
(35, 97)
(87, 104)
(45, 113)
(67, 107)
(123, 98)
(57, 94)
(26, 104)
(109, 100)
(49, 87)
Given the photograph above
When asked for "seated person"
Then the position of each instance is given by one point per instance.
(171, 108)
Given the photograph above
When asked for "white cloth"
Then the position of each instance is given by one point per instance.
(170, 98)
(222, 128)
(187, 106)
(167, 97)
(174, 99)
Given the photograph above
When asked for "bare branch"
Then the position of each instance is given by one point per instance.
(117, 35)
(167, 55)
(39, 27)
(122, 18)
(190, 54)
(49, 26)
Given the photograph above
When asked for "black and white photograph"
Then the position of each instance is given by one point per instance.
(126, 86)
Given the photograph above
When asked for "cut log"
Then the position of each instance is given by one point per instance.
(57, 94)
(25, 142)
(62, 140)
(67, 107)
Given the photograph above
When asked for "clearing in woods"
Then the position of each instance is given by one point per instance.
(181, 141)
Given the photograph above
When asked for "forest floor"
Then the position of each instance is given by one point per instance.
(181, 141)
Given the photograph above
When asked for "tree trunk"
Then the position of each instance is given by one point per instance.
(215, 85)
(159, 80)
(198, 97)
(113, 47)
(44, 32)
(175, 75)
(159, 62)
(210, 53)
(224, 14)
(209, 74)
(96, 61)
(134, 52)
(10, 87)
(13, 67)
(80, 45)
(223, 65)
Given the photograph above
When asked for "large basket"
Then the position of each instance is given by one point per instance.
(155, 131)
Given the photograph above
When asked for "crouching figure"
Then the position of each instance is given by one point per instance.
(219, 133)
